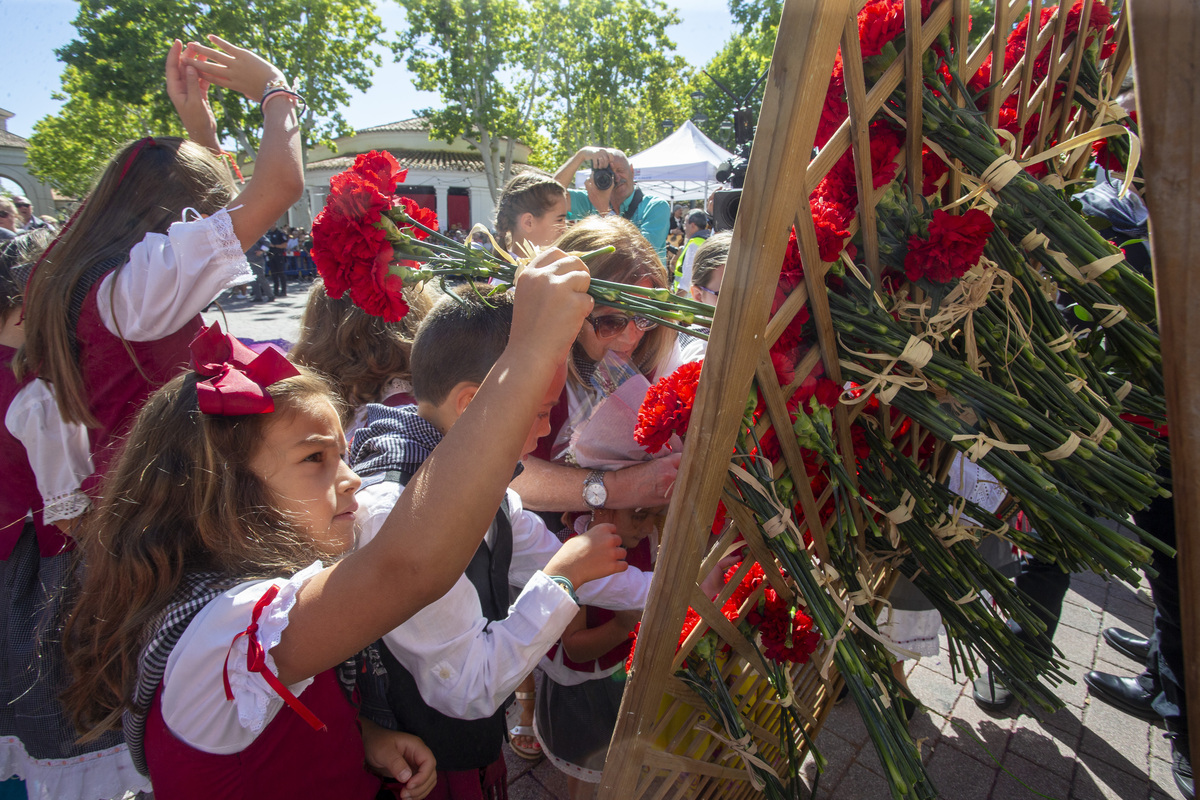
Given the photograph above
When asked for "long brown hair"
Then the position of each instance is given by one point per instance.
(181, 498)
(634, 259)
(146, 187)
(357, 351)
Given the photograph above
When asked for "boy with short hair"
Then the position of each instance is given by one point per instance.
(453, 666)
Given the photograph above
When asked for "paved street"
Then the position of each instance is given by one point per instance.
(1087, 751)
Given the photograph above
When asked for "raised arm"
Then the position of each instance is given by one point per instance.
(278, 179)
(565, 174)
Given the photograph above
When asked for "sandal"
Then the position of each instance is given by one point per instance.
(531, 752)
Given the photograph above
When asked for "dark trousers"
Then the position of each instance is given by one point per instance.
(1046, 584)
(1164, 666)
(277, 269)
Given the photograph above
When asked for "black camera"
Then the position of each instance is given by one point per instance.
(603, 178)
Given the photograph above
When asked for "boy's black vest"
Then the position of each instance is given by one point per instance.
(458, 744)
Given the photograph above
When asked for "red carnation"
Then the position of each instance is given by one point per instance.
(667, 407)
(953, 246)
(382, 169)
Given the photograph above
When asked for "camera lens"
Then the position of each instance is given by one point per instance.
(603, 178)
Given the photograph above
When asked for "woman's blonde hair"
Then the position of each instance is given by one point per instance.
(358, 352)
(145, 187)
(633, 259)
(181, 498)
(533, 192)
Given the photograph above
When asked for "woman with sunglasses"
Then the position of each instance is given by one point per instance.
(549, 483)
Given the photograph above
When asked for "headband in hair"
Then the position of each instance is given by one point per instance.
(234, 379)
(141, 145)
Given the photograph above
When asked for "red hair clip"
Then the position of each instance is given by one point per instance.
(234, 379)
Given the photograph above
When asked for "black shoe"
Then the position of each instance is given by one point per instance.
(1128, 644)
(1125, 694)
(990, 693)
(1181, 765)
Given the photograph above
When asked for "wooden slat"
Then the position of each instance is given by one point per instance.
(1166, 38)
(860, 121)
(796, 83)
(1076, 61)
(913, 54)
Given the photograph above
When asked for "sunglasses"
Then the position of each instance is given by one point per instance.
(611, 325)
(4, 215)
(717, 293)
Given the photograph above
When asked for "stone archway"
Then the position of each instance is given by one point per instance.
(13, 167)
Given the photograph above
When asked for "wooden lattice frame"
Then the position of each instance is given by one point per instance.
(656, 750)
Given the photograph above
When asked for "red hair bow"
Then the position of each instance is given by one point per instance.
(234, 379)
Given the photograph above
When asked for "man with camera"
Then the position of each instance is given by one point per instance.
(611, 190)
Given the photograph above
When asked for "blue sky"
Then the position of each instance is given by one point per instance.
(34, 28)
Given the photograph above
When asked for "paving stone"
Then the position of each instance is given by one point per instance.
(1066, 723)
(527, 787)
(1095, 780)
(992, 730)
(1115, 738)
(1109, 660)
(956, 774)
(1162, 781)
(934, 690)
(1132, 616)
(552, 780)
(848, 723)
(1076, 646)
(517, 766)
(859, 782)
(1026, 779)
(1072, 692)
(839, 755)
(1086, 619)
(1048, 748)
(1160, 746)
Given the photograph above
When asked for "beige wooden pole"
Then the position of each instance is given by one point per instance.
(808, 36)
(1166, 42)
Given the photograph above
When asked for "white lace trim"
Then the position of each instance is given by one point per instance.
(70, 505)
(969, 480)
(913, 630)
(93, 776)
(222, 237)
(250, 690)
(573, 770)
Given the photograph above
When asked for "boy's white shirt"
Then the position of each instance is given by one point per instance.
(464, 666)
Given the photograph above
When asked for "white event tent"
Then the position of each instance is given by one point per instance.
(683, 166)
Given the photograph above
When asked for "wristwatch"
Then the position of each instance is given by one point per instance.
(594, 493)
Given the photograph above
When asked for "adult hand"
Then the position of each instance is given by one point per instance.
(188, 91)
(599, 156)
(233, 67)
(401, 756)
(550, 306)
(646, 484)
(601, 199)
(590, 556)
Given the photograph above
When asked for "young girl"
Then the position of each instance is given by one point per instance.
(365, 357)
(532, 211)
(578, 705)
(207, 606)
(116, 299)
(39, 744)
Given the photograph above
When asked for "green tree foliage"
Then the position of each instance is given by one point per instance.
(612, 77)
(68, 149)
(738, 66)
(324, 46)
(478, 55)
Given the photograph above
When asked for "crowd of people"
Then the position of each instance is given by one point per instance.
(233, 573)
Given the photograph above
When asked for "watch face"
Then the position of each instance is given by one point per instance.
(595, 495)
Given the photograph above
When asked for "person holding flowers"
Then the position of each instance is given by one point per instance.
(550, 482)
(116, 298)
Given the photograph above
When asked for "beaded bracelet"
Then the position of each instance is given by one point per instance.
(567, 586)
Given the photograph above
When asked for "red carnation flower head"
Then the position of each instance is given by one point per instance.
(667, 407)
(954, 245)
(381, 168)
